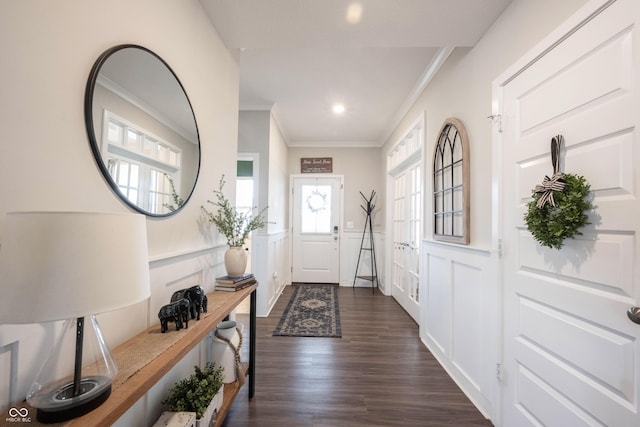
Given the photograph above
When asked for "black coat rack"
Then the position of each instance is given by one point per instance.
(368, 246)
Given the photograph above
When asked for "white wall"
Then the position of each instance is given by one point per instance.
(278, 179)
(466, 279)
(259, 133)
(253, 137)
(48, 49)
(277, 272)
(361, 169)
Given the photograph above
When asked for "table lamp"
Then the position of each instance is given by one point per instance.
(71, 266)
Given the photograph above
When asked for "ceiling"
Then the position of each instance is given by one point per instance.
(300, 57)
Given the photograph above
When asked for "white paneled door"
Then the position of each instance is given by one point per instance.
(571, 354)
(316, 235)
(407, 226)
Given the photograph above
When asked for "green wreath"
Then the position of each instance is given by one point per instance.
(558, 208)
(549, 224)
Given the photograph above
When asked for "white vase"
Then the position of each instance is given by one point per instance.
(235, 261)
(221, 352)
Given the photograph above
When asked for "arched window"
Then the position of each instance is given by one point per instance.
(451, 184)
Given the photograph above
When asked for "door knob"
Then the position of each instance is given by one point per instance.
(634, 314)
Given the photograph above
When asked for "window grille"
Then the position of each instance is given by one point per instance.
(451, 184)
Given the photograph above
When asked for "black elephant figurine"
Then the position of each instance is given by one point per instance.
(185, 310)
(182, 294)
(197, 300)
(173, 312)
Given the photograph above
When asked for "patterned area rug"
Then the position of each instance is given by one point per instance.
(312, 312)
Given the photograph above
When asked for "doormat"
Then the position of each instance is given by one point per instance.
(312, 311)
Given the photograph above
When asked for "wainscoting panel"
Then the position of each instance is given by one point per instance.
(460, 318)
(439, 307)
(467, 311)
(171, 273)
(9, 373)
(273, 268)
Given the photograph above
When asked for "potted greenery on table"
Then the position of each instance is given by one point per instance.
(202, 393)
(235, 226)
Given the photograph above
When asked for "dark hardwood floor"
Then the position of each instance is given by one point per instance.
(378, 374)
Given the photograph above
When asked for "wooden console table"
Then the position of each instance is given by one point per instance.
(139, 368)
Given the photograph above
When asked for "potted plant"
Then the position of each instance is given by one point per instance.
(202, 393)
(235, 226)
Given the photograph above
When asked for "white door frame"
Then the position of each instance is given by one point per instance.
(408, 249)
(407, 152)
(292, 178)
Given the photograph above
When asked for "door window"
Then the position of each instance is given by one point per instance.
(316, 209)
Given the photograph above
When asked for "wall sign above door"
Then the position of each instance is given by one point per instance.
(316, 165)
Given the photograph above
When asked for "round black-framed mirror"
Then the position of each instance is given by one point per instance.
(142, 130)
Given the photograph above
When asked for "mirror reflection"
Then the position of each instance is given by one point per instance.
(142, 130)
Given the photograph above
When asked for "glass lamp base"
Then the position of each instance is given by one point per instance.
(76, 377)
(59, 404)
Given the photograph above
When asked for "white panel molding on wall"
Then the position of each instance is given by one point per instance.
(459, 317)
(9, 371)
(175, 271)
(273, 269)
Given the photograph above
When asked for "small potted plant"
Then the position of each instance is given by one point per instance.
(235, 226)
(202, 393)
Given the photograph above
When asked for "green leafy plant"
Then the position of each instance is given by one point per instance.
(235, 226)
(551, 225)
(194, 394)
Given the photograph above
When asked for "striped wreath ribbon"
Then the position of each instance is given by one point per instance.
(556, 182)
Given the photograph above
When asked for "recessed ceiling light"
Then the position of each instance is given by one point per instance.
(354, 13)
(338, 108)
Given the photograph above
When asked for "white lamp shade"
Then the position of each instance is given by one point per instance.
(63, 265)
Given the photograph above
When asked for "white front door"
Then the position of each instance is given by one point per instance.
(407, 226)
(316, 234)
(571, 354)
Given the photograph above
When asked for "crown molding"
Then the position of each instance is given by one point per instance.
(428, 75)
